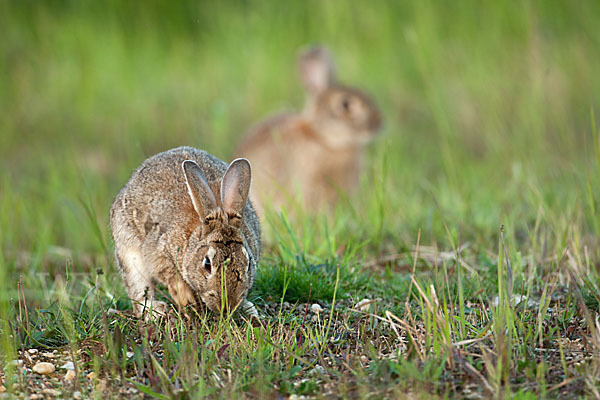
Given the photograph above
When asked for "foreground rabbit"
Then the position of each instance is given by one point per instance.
(183, 220)
(319, 151)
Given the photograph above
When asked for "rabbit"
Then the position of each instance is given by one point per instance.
(184, 220)
(318, 151)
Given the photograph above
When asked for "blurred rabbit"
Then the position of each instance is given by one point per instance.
(183, 220)
(319, 151)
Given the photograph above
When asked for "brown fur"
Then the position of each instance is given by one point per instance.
(318, 152)
(160, 236)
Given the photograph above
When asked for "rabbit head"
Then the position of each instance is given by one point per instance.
(343, 116)
(216, 263)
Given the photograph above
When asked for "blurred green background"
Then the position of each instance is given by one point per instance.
(489, 113)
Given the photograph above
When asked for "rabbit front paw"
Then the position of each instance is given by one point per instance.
(247, 309)
(182, 293)
(152, 310)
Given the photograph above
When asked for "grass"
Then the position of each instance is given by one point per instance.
(474, 235)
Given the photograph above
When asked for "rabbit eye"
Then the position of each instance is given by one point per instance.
(207, 264)
(346, 104)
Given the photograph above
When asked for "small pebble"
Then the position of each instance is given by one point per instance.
(44, 368)
(17, 363)
(32, 351)
(102, 386)
(364, 359)
(364, 304)
(316, 308)
(70, 375)
(68, 365)
(91, 375)
(296, 397)
(28, 358)
(77, 395)
(36, 396)
(317, 370)
(51, 392)
(49, 355)
(129, 354)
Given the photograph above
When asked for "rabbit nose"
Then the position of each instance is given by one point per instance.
(226, 305)
(230, 306)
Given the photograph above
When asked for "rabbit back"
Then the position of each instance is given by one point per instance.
(291, 162)
(156, 193)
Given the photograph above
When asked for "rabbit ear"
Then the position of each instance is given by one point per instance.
(316, 69)
(236, 185)
(200, 192)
